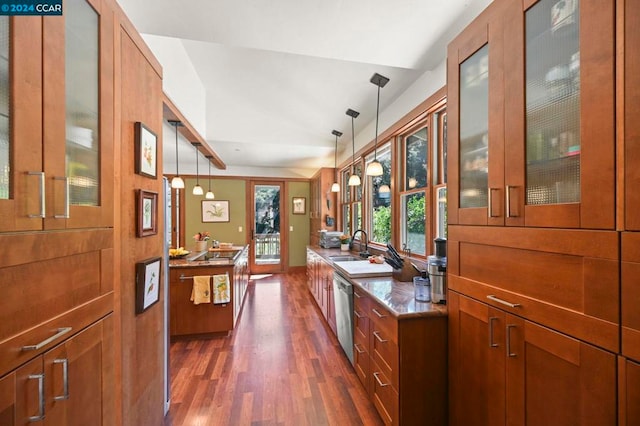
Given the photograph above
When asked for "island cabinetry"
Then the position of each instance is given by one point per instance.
(361, 340)
(241, 275)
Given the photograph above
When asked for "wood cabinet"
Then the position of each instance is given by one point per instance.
(320, 282)
(241, 275)
(323, 203)
(49, 184)
(629, 392)
(512, 371)
(528, 146)
(70, 384)
(401, 362)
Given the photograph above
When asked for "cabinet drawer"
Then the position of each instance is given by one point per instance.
(385, 353)
(361, 327)
(382, 320)
(361, 302)
(361, 365)
(384, 396)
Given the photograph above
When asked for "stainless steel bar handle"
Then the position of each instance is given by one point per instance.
(377, 313)
(65, 379)
(358, 314)
(66, 199)
(40, 378)
(376, 375)
(492, 344)
(503, 302)
(357, 348)
(380, 339)
(355, 293)
(489, 200)
(61, 332)
(509, 353)
(42, 197)
(508, 200)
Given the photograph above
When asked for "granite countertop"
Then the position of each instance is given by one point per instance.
(397, 296)
(189, 262)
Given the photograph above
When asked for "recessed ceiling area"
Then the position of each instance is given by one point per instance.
(265, 83)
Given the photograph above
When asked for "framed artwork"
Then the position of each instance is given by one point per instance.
(299, 205)
(215, 211)
(146, 151)
(147, 283)
(146, 213)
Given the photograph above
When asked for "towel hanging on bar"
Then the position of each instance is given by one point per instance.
(221, 291)
(201, 291)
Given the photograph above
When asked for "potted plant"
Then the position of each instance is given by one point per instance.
(344, 242)
(201, 239)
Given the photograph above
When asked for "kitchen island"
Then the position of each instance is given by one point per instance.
(399, 344)
(230, 268)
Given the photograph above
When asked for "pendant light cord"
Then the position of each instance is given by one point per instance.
(335, 161)
(375, 145)
(197, 168)
(209, 175)
(177, 162)
(353, 149)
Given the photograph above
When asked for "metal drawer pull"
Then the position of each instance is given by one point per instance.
(358, 314)
(503, 302)
(380, 339)
(65, 379)
(377, 313)
(61, 332)
(355, 293)
(65, 215)
(360, 351)
(508, 200)
(40, 415)
(376, 374)
(509, 353)
(491, 342)
(42, 197)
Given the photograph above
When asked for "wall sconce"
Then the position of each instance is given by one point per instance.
(374, 168)
(197, 190)
(336, 186)
(209, 195)
(354, 179)
(177, 181)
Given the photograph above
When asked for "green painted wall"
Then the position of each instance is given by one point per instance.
(232, 190)
(235, 191)
(299, 238)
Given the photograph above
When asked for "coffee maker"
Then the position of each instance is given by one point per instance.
(437, 269)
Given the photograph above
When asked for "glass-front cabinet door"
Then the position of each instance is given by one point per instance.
(565, 167)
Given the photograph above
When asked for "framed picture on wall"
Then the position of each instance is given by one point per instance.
(147, 283)
(215, 211)
(299, 205)
(147, 213)
(146, 151)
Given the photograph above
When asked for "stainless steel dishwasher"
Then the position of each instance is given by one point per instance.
(343, 298)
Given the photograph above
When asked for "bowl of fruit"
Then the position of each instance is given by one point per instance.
(178, 253)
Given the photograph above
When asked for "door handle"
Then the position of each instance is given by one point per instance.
(41, 185)
(65, 379)
(509, 353)
(490, 199)
(492, 344)
(40, 378)
(507, 192)
(65, 215)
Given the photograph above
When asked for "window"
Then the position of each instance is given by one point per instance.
(351, 205)
(413, 199)
(380, 197)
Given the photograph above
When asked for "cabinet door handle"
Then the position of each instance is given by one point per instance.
(376, 375)
(65, 215)
(355, 293)
(65, 379)
(489, 200)
(42, 197)
(492, 344)
(508, 200)
(503, 302)
(358, 314)
(40, 378)
(61, 332)
(377, 313)
(357, 348)
(380, 339)
(509, 353)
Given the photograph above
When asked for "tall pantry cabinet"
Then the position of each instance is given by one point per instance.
(533, 251)
(56, 217)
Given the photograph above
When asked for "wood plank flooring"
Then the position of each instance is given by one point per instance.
(282, 365)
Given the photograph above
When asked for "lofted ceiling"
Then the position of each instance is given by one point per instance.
(272, 79)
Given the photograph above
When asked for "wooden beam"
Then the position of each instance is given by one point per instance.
(171, 112)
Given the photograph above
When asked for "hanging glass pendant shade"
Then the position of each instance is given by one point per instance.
(336, 186)
(374, 168)
(354, 179)
(177, 182)
(197, 190)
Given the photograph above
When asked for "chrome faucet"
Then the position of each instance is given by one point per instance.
(364, 253)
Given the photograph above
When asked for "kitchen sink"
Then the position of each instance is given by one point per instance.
(344, 258)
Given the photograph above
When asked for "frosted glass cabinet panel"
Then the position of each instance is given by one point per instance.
(5, 136)
(474, 129)
(552, 75)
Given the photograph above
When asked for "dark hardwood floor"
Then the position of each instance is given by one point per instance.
(282, 365)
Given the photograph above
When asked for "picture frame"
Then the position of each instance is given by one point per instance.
(147, 283)
(146, 213)
(146, 147)
(215, 211)
(299, 205)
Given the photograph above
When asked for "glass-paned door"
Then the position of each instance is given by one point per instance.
(266, 241)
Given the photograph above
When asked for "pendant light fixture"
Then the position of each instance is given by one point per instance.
(374, 168)
(177, 181)
(209, 195)
(336, 186)
(354, 179)
(197, 190)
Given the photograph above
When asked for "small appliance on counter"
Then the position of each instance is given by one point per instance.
(330, 239)
(437, 269)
